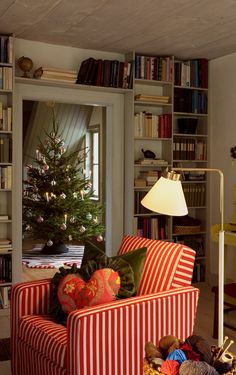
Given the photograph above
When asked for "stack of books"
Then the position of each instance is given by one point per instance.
(5, 243)
(54, 74)
(159, 99)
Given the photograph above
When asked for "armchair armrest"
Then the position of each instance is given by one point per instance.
(111, 337)
(28, 298)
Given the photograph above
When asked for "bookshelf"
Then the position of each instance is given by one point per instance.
(6, 165)
(176, 131)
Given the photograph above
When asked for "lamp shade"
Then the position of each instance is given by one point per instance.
(166, 197)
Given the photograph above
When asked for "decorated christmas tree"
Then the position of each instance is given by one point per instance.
(57, 204)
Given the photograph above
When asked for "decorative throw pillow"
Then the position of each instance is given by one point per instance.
(134, 257)
(68, 283)
(74, 293)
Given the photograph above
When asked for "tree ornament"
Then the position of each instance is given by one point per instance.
(82, 229)
(28, 227)
(63, 226)
(42, 171)
(99, 238)
(67, 179)
(70, 237)
(53, 196)
(72, 219)
(35, 197)
(40, 219)
(89, 185)
(53, 182)
(63, 196)
(89, 216)
(35, 189)
(50, 243)
(62, 150)
(46, 167)
(95, 220)
(75, 195)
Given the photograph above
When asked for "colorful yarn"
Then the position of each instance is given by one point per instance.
(196, 368)
(177, 355)
(170, 367)
(189, 352)
(200, 346)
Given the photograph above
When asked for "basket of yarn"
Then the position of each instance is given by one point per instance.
(193, 356)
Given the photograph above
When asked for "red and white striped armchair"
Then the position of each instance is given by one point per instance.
(107, 339)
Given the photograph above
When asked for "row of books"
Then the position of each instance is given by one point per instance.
(6, 177)
(5, 149)
(195, 194)
(154, 68)
(189, 149)
(190, 101)
(191, 73)
(5, 268)
(155, 227)
(147, 178)
(107, 73)
(54, 74)
(5, 118)
(5, 295)
(150, 162)
(5, 78)
(199, 272)
(6, 48)
(147, 124)
(157, 99)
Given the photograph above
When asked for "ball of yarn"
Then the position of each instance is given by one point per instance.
(200, 346)
(196, 368)
(167, 344)
(177, 355)
(152, 351)
(170, 367)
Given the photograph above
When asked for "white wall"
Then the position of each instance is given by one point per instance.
(222, 137)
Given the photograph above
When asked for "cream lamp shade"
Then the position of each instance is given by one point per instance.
(166, 197)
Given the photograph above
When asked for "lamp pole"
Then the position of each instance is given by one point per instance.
(221, 248)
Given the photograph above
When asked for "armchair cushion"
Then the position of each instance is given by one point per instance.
(135, 257)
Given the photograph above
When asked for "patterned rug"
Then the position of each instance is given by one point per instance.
(5, 349)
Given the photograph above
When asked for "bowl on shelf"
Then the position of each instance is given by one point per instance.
(187, 125)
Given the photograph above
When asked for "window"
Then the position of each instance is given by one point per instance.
(93, 166)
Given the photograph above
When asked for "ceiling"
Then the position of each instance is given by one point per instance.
(184, 28)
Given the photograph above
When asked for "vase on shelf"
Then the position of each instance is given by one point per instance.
(58, 247)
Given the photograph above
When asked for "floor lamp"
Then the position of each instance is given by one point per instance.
(167, 197)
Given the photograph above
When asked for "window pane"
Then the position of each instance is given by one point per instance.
(95, 180)
(95, 148)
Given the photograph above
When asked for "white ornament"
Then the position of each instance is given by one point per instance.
(75, 195)
(72, 220)
(99, 238)
(82, 229)
(95, 220)
(63, 226)
(50, 243)
(53, 182)
(63, 196)
(40, 219)
(89, 216)
(70, 237)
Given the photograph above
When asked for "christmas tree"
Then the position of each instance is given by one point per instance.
(57, 205)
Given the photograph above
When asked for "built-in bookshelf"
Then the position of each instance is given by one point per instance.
(170, 105)
(6, 164)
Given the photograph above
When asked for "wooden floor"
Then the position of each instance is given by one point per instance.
(203, 325)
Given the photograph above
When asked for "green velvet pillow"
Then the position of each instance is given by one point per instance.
(135, 258)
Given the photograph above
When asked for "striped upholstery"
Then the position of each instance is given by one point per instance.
(107, 339)
(168, 265)
(45, 336)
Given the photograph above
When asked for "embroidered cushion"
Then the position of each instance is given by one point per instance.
(74, 293)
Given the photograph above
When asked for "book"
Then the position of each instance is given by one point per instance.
(4, 217)
(54, 71)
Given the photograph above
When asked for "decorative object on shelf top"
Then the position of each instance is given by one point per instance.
(148, 154)
(55, 74)
(57, 205)
(25, 64)
(108, 73)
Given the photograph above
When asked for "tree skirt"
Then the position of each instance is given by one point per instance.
(35, 259)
